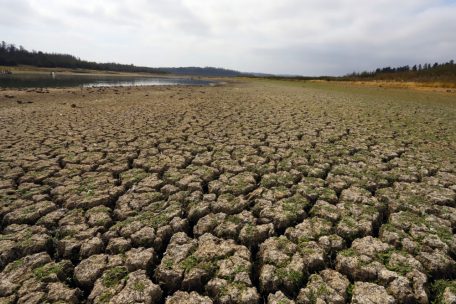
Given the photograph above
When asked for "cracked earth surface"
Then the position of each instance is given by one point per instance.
(252, 192)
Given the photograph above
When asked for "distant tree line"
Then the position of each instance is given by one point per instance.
(206, 71)
(421, 72)
(10, 55)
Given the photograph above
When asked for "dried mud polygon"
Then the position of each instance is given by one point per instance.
(252, 192)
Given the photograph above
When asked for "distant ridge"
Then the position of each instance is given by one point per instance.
(198, 71)
(11, 55)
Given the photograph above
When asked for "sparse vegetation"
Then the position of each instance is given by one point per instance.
(113, 276)
(283, 191)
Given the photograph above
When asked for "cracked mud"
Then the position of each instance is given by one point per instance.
(253, 192)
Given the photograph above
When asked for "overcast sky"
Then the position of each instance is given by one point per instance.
(307, 37)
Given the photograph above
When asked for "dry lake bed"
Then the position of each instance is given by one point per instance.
(250, 192)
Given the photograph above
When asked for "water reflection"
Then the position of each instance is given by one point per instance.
(145, 82)
(56, 80)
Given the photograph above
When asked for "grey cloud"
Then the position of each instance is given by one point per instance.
(310, 37)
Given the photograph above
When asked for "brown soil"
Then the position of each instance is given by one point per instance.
(250, 192)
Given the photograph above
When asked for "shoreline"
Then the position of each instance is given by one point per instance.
(442, 87)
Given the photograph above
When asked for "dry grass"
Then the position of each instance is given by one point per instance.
(25, 69)
(447, 87)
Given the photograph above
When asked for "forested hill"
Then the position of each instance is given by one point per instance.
(10, 55)
(207, 71)
(444, 72)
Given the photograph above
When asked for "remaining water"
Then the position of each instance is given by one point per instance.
(47, 81)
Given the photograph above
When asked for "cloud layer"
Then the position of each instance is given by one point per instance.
(308, 37)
